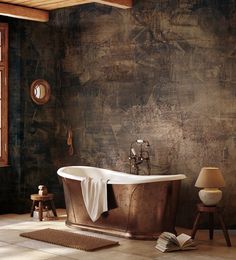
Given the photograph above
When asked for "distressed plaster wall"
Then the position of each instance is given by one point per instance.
(41, 123)
(9, 176)
(163, 71)
(33, 129)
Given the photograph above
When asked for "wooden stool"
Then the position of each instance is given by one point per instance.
(211, 210)
(40, 200)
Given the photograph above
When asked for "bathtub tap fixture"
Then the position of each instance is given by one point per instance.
(139, 156)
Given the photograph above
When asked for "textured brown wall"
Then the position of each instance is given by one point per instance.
(163, 71)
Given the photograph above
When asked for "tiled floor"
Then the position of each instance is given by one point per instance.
(15, 247)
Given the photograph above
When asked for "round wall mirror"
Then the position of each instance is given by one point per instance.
(40, 91)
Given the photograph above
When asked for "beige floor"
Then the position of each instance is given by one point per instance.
(14, 247)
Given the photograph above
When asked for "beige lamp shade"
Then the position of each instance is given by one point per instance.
(210, 177)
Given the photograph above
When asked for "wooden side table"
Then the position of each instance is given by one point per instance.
(211, 210)
(41, 200)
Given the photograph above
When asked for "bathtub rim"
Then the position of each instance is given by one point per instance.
(128, 178)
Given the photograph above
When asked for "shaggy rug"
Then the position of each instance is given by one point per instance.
(69, 239)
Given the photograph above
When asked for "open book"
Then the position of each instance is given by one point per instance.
(168, 242)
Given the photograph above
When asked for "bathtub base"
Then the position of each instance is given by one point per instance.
(112, 232)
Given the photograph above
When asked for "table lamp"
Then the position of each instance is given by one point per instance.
(210, 179)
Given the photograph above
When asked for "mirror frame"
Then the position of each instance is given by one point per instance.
(45, 84)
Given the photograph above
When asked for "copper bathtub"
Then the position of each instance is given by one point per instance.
(140, 207)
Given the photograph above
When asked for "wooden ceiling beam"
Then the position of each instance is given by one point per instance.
(117, 3)
(56, 4)
(21, 12)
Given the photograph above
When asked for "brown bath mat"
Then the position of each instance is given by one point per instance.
(69, 239)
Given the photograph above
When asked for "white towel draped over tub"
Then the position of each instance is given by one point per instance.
(95, 196)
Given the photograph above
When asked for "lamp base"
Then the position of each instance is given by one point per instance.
(210, 196)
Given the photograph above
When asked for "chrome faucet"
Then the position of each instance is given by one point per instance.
(139, 157)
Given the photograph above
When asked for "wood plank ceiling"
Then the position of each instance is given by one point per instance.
(38, 10)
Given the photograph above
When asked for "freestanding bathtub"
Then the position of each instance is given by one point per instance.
(139, 207)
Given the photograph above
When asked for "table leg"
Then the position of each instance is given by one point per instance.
(226, 234)
(53, 208)
(32, 208)
(211, 225)
(195, 226)
(40, 210)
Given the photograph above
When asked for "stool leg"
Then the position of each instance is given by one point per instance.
(195, 225)
(211, 225)
(40, 210)
(53, 208)
(32, 208)
(226, 234)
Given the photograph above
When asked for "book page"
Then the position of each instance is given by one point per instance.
(169, 237)
(167, 249)
(184, 240)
